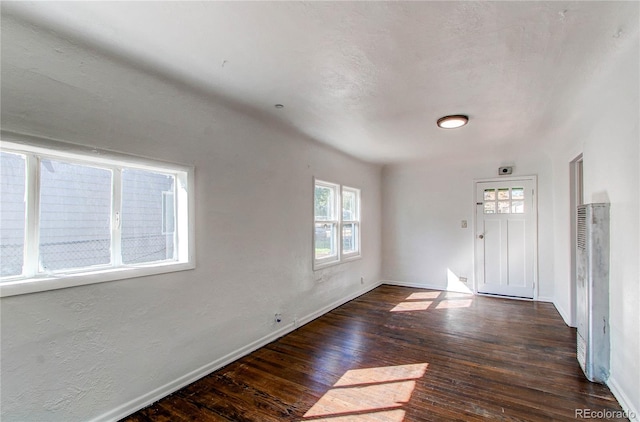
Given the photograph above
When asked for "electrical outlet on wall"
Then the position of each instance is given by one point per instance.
(463, 279)
(463, 224)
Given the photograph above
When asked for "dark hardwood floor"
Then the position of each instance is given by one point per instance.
(401, 354)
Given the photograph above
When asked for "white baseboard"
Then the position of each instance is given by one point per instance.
(564, 314)
(623, 399)
(141, 402)
(462, 289)
(414, 285)
(544, 299)
(306, 319)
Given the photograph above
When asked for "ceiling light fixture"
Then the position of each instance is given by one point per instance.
(278, 106)
(453, 121)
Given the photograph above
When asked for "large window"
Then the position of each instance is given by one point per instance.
(68, 218)
(336, 223)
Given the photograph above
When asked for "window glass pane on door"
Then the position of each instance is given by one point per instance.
(504, 207)
(489, 194)
(12, 213)
(517, 207)
(148, 217)
(503, 194)
(489, 207)
(75, 215)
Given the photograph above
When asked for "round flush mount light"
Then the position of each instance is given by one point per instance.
(278, 106)
(453, 121)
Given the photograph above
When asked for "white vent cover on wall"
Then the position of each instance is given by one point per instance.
(582, 236)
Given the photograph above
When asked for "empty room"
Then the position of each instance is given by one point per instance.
(319, 211)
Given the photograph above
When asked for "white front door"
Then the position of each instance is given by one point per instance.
(506, 226)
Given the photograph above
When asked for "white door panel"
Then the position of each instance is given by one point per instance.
(493, 252)
(516, 245)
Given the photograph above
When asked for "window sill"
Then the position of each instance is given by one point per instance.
(63, 281)
(344, 260)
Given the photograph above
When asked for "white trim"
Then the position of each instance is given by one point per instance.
(32, 213)
(446, 289)
(116, 218)
(532, 178)
(334, 222)
(138, 403)
(563, 313)
(545, 299)
(497, 296)
(415, 285)
(340, 257)
(63, 281)
(32, 280)
(576, 197)
(356, 223)
(623, 399)
(43, 146)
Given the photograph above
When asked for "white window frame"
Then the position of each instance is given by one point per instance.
(33, 279)
(355, 221)
(164, 212)
(337, 222)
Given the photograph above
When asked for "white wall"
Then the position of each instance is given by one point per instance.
(81, 353)
(605, 130)
(424, 204)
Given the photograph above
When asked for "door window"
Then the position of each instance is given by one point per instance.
(504, 201)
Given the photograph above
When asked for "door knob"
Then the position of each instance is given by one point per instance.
(481, 236)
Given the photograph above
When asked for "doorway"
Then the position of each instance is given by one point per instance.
(506, 237)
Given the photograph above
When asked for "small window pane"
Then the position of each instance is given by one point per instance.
(75, 215)
(323, 201)
(503, 207)
(489, 207)
(517, 207)
(148, 217)
(517, 193)
(168, 213)
(325, 240)
(489, 194)
(503, 194)
(12, 213)
(349, 211)
(349, 238)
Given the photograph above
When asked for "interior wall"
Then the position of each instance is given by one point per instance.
(605, 130)
(423, 207)
(79, 353)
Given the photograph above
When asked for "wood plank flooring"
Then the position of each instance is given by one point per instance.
(401, 354)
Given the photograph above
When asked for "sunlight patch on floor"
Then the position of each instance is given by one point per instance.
(396, 415)
(421, 305)
(369, 394)
(423, 295)
(452, 304)
(382, 374)
(437, 300)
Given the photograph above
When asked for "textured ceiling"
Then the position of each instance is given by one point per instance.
(368, 78)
